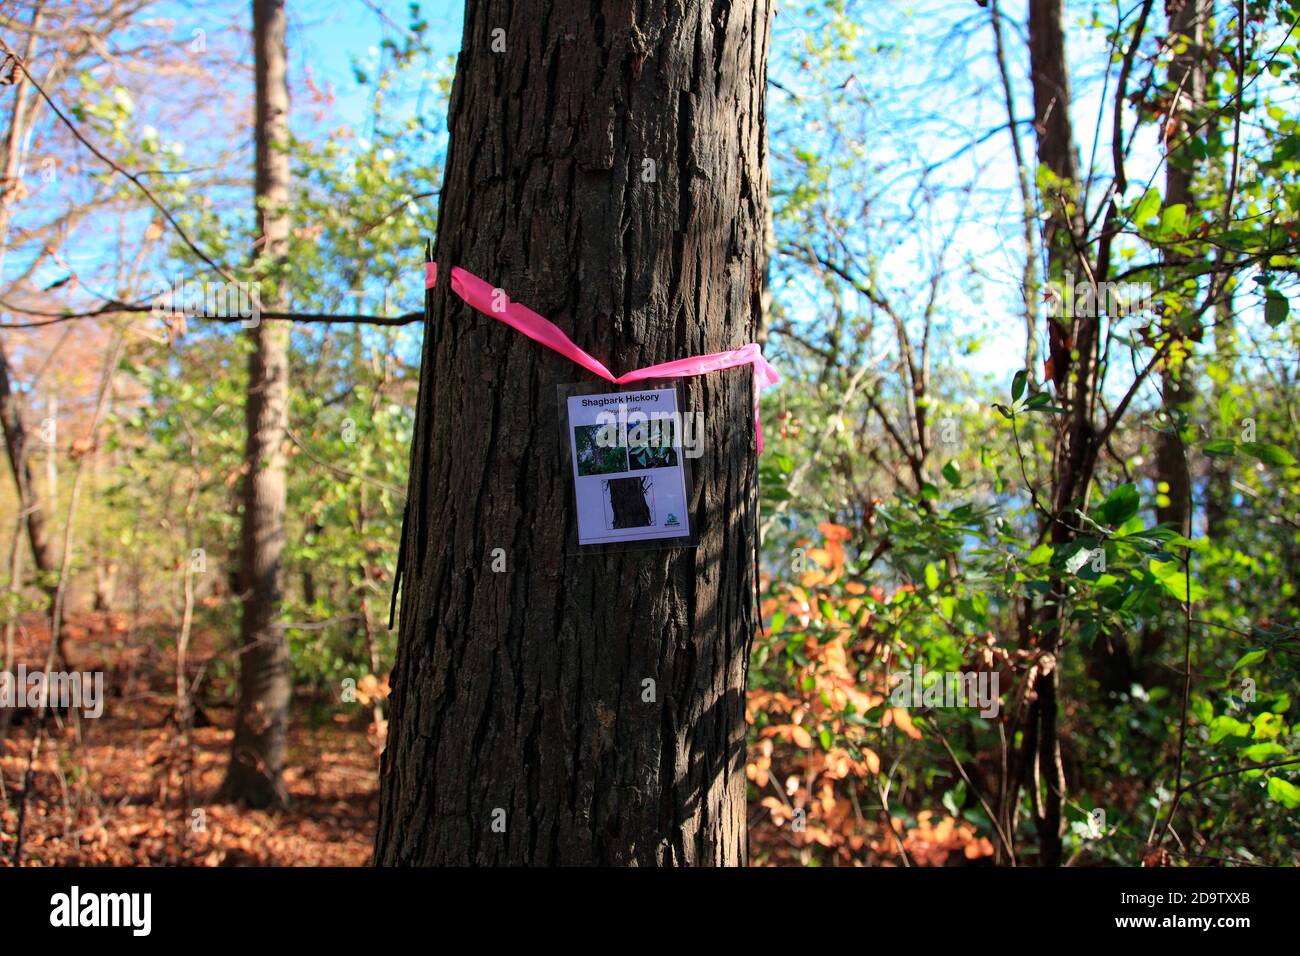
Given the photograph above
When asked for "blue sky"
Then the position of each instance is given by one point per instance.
(929, 94)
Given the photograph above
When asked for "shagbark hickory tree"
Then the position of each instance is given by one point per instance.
(607, 167)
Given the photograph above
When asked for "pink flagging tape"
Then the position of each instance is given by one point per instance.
(493, 303)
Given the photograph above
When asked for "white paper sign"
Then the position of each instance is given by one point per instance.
(628, 472)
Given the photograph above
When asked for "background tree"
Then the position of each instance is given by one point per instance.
(265, 682)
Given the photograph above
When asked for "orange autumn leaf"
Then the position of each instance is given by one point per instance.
(832, 576)
(800, 737)
(821, 556)
(904, 722)
(834, 532)
(871, 759)
(855, 587)
(835, 658)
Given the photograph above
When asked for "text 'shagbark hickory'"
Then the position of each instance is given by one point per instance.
(609, 168)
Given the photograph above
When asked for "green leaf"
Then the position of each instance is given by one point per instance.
(1040, 555)
(1284, 792)
(1146, 207)
(1276, 308)
(1173, 220)
(1250, 657)
(1223, 726)
(1267, 725)
(1121, 504)
(1268, 454)
(1263, 753)
(1170, 575)
(1018, 384)
(1044, 407)
(932, 577)
(1220, 448)
(951, 473)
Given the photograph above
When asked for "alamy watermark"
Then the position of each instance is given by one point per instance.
(32, 690)
(210, 300)
(651, 429)
(73, 909)
(1091, 299)
(973, 689)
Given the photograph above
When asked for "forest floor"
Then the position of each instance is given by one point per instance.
(126, 790)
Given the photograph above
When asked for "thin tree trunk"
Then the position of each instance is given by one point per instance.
(261, 724)
(11, 620)
(1218, 496)
(1187, 75)
(1073, 377)
(50, 438)
(608, 169)
(17, 442)
(16, 433)
(105, 566)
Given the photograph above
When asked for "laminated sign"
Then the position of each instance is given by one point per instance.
(630, 479)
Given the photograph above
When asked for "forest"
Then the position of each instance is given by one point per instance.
(982, 318)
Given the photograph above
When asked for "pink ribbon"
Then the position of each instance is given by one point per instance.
(486, 299)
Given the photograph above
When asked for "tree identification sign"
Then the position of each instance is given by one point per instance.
(630, 479)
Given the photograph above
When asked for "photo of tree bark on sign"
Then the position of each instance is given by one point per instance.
(629, 502)
(950, 512)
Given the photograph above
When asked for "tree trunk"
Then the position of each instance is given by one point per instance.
(1071, 342)
(1218, 492)
(16, 432)
(1187, 75)
(607, 169)
(261, 724)
(17, 439)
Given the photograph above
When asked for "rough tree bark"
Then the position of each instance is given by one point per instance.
(608, 169)
(627, 499)
(261, 723)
